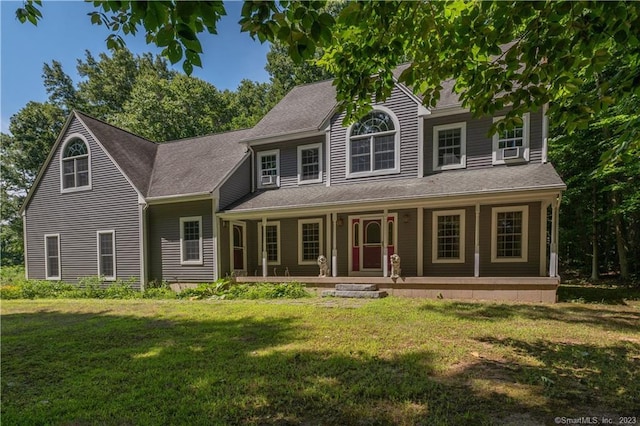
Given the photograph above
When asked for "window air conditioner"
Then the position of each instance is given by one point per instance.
(512, 154)
(266, 180)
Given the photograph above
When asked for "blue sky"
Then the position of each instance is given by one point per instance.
(65, 32)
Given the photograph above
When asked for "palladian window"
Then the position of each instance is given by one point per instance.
(75, 165)
(373, 145)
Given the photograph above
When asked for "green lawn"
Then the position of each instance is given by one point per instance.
(316, 361)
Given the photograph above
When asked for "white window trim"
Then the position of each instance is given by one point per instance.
(395, 169)
(494, 234)
(269, 262)
(113, 243)
(243, 225)
(182, 221)
(320, 240)
(301, 148)
(434, 236)
(261, 154)
(525, 142)
(88, 187)
(46, 259)
(463, 145)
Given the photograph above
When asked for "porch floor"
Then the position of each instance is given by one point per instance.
(524, 289)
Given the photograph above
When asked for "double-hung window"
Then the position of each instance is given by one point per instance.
(373, 146)
(75, 169)
(272, 243)
(448, 236)
(309, 241)
(269, 169)
(511, 144)
(191, 240)
(450, 146)
(52, 256)
(310, 163)
(107, 254)
(509, 239)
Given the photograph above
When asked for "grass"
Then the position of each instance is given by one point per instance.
(316, 361)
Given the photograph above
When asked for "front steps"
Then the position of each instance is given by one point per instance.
(358, 291)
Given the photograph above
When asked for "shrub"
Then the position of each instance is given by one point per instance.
(10, 292)
(223, 289)
(12, 275)
(158, 290)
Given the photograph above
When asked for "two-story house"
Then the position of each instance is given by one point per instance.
(470, 215)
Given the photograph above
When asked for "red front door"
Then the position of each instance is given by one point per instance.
(367, 242)
(372, 244)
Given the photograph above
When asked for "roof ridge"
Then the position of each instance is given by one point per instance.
(204, 136)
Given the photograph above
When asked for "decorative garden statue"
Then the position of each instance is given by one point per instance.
(324, 267)
(395, 267)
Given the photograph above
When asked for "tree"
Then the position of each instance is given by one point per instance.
(34, 130)
(600, 218)
(523, 54)
(169, 109)
(250, 102)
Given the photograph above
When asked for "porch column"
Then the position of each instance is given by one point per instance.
(264, 246)
(544, 205)
(385, 243)
(476, 251)
(553, 257)
(334, 249)
(420, 239)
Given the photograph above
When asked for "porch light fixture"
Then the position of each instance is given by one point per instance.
(406, 217)
(339, 221)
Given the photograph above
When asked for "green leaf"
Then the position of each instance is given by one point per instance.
(186, 32)
(174, 51)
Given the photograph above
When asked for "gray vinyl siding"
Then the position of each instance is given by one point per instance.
(289, 160)
(164, 242)
(465, 269)
(407, 241)
(237, 185)
(288, 249)
(111, 204)
(342, 245)
(479, 143)
(531, 268)
(406, 111)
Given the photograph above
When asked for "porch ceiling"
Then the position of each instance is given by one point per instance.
(452, 183)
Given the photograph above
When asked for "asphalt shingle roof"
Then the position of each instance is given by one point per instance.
(135, 155)
(195, 165)
(304, 108)
(450, 183)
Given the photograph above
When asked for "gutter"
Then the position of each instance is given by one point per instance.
(415, 199)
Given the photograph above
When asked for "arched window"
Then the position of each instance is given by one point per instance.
(374, 144)
(75, 165)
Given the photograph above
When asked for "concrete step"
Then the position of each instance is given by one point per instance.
(376, 294)
(356, 287)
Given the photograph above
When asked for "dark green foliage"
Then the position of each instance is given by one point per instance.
(224, 289)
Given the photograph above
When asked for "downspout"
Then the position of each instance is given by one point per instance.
(142, 241)
(24, 239)
(327, 162)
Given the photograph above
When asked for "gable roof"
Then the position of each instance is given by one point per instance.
(134, 155)
(170, 169)
(304, 109)
(504, 179)
(307, 107)
(196, 165)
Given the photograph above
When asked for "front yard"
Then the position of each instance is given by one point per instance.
(316, 361)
